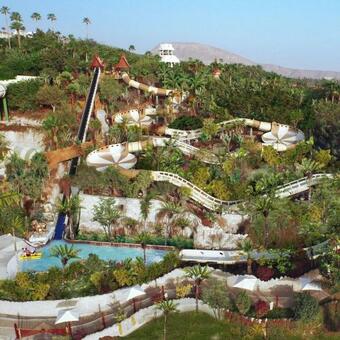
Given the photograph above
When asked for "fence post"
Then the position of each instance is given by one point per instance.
(17, 332)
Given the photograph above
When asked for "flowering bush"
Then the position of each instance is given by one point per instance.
(261, 308)
(264, 273)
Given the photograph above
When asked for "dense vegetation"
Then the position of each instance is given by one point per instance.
(82, 278)
(21, 196)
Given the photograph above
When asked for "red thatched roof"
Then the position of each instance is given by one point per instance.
(97, 62)
(122, 64)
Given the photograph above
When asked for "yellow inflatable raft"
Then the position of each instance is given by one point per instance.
(34, 256)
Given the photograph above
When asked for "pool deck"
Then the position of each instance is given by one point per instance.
(7, 252)
(120, 244)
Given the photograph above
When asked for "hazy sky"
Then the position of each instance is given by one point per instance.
(293, 33)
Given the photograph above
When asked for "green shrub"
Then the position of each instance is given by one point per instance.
(280, 313)
(243, 302)
(22, 95)
(178, 241)
(214, 294)
(186, 123)
(306, 307)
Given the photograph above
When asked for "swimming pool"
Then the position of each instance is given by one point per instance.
(104, 252)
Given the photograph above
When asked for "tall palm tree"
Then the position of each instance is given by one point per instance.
(167, 212)
(247, 247)
(52, 17)
(198, 274)
(65, 253)
(4, 10)
(263, 205)
(36, 17)
(17, 25)
(307, 167)
(167, 307)
(87, 22)
(132, 48)
(145, 206)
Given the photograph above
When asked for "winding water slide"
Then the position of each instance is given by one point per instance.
(122, 156)
(280, 136)
(177, 97)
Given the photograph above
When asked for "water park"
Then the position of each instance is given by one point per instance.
(134, 186)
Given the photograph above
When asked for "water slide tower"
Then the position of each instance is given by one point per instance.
(166, 52)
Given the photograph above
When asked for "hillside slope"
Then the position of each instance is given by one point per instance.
(208, 54)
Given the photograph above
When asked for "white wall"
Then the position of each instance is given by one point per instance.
(22, 142)
(131, 209)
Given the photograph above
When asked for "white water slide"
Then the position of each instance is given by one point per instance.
(177, 97)
(122, 155)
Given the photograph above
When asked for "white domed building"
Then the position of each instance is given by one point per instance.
(166, 52)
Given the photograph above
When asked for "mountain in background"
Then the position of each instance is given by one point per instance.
(207, 54)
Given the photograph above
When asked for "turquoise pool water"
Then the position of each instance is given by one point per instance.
(104, 252)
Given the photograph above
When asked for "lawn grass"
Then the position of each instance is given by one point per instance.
(189, 326)
(200, 326)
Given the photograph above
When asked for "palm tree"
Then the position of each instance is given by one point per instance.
(132, 48)
(182, 223)
(247, 247)
(145, 206)
(51, 125)
(17, 25)
(4, 147)
(198, 274)
(143, 239)
(263, 205)
(52, 18)
(307, 167)
(87, 22)
(9, 199)
(167, 307)
(4, 10)
(65, 253)
(36, 17)
(168, 211)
